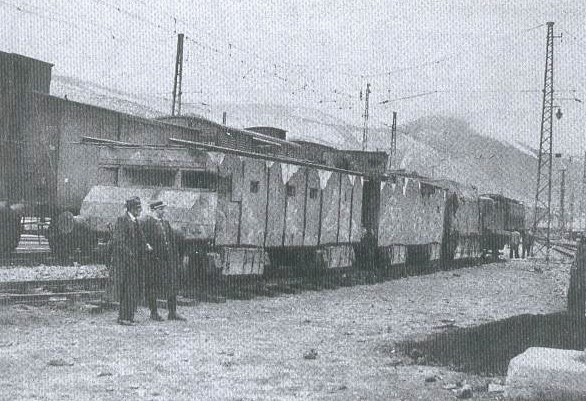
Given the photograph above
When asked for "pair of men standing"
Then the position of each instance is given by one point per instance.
(145, 253)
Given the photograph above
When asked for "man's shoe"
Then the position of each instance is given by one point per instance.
(176, 317)
(126, 322)
(156, 317)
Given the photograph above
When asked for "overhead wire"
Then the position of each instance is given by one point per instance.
(280, 72)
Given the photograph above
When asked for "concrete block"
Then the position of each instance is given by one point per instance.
(547, 374)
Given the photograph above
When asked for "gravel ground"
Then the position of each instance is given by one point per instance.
(318, 345)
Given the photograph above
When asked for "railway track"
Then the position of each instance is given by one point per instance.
(565, 248)
(34, 250)
(38, 292)
(35, 292)
(29, 259)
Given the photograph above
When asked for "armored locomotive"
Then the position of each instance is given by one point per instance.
(244, 200)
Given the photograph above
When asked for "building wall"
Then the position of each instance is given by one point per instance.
(19, 77)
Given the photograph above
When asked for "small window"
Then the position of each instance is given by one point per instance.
(290, 190)
(108, 176)
(146, 177)
(427, 190)
(199, 179)
(312, 193)
(254, 186)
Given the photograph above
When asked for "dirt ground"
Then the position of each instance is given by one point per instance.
(261, 349)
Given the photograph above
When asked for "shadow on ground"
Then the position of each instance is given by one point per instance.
(487, 349)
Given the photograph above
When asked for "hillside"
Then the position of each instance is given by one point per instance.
(433, 146)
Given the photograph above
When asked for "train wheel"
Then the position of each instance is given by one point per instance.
(10, 230)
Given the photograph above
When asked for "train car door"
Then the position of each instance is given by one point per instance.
(371, 209)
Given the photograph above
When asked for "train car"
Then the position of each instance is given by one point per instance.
(404, 219)
(499, 217)
(462, 238)
(241, 197)
(18, 75)
(241, 212)
(245, 200)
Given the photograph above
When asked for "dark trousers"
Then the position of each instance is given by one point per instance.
(526, 251)
(514, 249)
(171, 304)
(128, 300)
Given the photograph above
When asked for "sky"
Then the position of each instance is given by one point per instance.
(481, 61)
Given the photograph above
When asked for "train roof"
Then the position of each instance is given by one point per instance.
(463, 191)
(264, 135)
(24, 59)
(500, 197)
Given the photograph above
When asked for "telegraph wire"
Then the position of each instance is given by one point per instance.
(279, 73)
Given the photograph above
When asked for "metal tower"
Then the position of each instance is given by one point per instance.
(365, 129)
(394, 140)
(178, 76)
(542, 212)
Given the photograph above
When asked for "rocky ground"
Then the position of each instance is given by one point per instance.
(319, 345)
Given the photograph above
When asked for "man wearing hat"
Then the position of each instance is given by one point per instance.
(128, 250)
(162, 274)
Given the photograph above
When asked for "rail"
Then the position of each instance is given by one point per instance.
(35, 292)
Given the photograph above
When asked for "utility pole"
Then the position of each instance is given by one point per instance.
(178, 76)
(394, 140)
(365, 129)
(542, 212)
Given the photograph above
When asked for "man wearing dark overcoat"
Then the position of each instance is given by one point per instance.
(128, 253)
(162, 271)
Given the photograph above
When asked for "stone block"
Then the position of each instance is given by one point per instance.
(547, 374)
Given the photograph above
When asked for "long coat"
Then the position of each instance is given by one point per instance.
(163, 266)
(128, 253)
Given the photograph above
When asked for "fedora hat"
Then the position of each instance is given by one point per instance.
(157, 205)
(132, 202)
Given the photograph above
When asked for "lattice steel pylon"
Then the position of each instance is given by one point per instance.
(542, 212)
